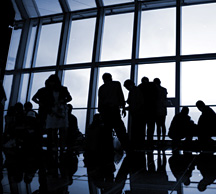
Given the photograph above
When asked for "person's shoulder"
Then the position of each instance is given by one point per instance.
(117, 83)
(42, 90)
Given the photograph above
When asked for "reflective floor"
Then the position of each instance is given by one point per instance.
(159, 170)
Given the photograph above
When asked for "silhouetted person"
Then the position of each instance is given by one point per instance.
(150, 95)
(52, 106)
(14, 126)
(110, 100)
(182, 127)
(206, 123)
(161, 109)
(135, 101)
(33, 133)
(42, 98)
(74, 136)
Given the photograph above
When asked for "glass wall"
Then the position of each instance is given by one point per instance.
(68, 33)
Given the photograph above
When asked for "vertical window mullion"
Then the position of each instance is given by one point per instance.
(178, 52)
(94, 69)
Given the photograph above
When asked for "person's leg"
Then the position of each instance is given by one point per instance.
(150, 130)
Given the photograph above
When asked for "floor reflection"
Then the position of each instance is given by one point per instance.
(160, 170)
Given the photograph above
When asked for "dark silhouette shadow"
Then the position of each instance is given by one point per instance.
(182, 166)
(53, 113)
(182, 127)
(206, 165)
(110, 100)
(56, 172)
(99, 155)
(161, 110)
(150, 95)
(135, 102)
(206, 124)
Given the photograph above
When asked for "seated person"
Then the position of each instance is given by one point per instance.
(182, 126)
(206, 122)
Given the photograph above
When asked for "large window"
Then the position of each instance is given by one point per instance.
(15, 39)
(117, 37)
(48, 45)
(198, 82)
(157, 37)
(81, 43)
(60, 37)
(198, 29)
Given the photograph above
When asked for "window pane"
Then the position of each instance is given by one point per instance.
(14, 44)
(77, 82)
(23, 88)
(30, 49)
(7, 84)
(198, 82)
(111, 2)
(117, 37)
(81, 41)
(81, 4)
(48, 7)
(157, 36)
(81, 119)
(48, 45)
(164, 71)
(199, 29)
(38, 81)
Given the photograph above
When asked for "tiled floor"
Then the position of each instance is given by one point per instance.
(147, 171)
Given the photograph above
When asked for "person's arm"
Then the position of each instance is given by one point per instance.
(99, 100)
(68, 97)
(121, 100)
(36, 97)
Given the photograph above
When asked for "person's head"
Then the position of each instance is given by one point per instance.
(145, 80)
(70, 108)
(200, 105)
(185, 110)
(28, 106)
(129, 84)
(53, 81)
(18, 107)
(157, 81)
(107, 77)
(97, 118)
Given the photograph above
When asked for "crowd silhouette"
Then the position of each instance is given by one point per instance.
(54, 127)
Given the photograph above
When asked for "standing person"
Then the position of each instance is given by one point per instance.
(110, 100)
(135, 101)
(42, 98)
(53, 100)
(161, 109)
(149, 92)
(206, 123)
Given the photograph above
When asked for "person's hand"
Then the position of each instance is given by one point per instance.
(123, 112)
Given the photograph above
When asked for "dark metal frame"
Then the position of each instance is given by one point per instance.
(99, 12)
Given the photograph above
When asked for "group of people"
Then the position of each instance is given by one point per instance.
(54, 118)
(147, 105)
